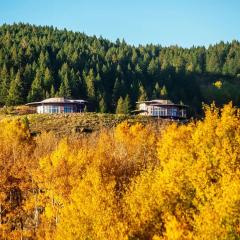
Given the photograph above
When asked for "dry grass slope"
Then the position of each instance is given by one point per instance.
(73, 123)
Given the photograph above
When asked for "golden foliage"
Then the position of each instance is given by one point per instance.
(218, 84)
(132, 182)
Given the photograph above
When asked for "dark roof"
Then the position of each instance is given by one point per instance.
(56, 100)
(161, 102)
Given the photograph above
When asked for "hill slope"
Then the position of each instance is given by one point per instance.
(74, 124)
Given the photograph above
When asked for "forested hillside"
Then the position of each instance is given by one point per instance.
(39, 62)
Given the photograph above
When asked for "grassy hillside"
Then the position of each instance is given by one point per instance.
(74, 123)
(77, 123)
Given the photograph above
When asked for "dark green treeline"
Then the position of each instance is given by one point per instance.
(40, 62)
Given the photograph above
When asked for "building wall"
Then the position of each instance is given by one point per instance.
(66, 108)
(163, 111)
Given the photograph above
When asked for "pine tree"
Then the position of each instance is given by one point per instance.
(28, 78)
(4, 85)
(156, 91)
(142, 94)
(163, 92)
(36, 93)
(98, 78)
(127, 105)
(138, 69)
(43, 60)
(117, 90)
(15, 91)
(52, 92)
(90, 82)
(65, 90)
(134, 57)
(120, 106)
(76, 84)
(48, 79)
(212, 62)
(102, 105)
(152, 67)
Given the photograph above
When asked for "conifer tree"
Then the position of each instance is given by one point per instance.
(48, 79)
(4, 85)
(52, 92)
(90, 82)
(142, 94)
(163, 92)
(156, 91)
(102, 105)
(127, 105)
(152, 68)
(116, 90)
(27, 79)
(36, 93)
(65, 90)
(120, 106)
(15, 91)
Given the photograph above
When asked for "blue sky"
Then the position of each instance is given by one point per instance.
(165, 22)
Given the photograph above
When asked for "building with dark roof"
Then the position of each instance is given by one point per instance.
(163, 109)
(59, 105)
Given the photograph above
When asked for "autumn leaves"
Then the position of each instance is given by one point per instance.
(131, 182)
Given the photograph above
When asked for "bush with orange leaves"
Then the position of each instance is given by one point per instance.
(195, 192)
(15, 182)
(132, 182)
(84, 181)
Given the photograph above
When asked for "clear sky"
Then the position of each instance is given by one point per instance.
(165, 22)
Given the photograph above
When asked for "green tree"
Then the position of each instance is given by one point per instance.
(152, 67)
(52, 92)
(4, 85)
(117, 90)
(142, 94)
(120, 109)
(163, 92)
(65, 90)
(15, 91)
(36, 92)
(156, 91)
(90, 82)
(127, 105)
(102, 105)
(48, 79)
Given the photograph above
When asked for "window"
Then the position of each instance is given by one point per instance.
(55, 109)
(40, 109)
(68, 109)
(162, 111)
(51, 109)
(174, 112)
(169, 112)
(155, 111)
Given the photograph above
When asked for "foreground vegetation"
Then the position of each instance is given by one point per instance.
(73, 124)
(130, 182)
(39, 62)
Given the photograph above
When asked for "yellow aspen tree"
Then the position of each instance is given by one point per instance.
(15, 178)
(92, 212)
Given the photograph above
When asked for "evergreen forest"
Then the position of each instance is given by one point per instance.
(38, 62)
